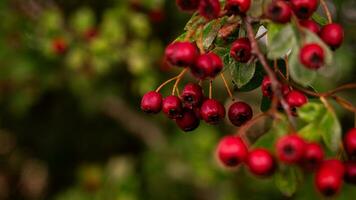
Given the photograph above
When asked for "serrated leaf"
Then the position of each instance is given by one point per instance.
(310, 132)
(311, 111)
(255, 82)
(286, 180)
(319, 19)
(257, 7)
(281, 39)
(298, 72)
(210, 31)
(331, 130)
(194, 21)
(242, 73)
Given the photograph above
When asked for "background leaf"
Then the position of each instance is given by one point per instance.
(242, 73)
(286, 180)
(281, 40)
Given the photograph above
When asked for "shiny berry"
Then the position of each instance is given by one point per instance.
(212, 111)
(279, 11)
(181, 54)
(313, 156)
(350, 142)
(237, 7)
(311, 25)
(334, 164)
(188, 5)
(207, 65)
(304, 8)
(59, 45)
(210, 9)
(350, 172)
(189, 121)
(239, 113)
(290, 149)
(312, 56)
(172, 107)
(266, 88)
(241, 50)
(151, 102)
(260, 162)
(192, 95)
(332, 35)
(296, 99)
(232, 151)
(328, 181)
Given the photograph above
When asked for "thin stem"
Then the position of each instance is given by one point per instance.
(165, 83)
(210, 89)
(243, 130)
(227, 87)
(327, 11)
(179, 78)
(287, 67)
(262, 35)
(200, 41)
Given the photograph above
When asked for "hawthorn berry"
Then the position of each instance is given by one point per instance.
(266, 88)
(334, 164)
(59, 45)
(333, 35)
(181, 54)
(312, 56)
(172, 107)
(239, 113)
(328, 181)
(350, 142)
(210, 9)
(232, 151)
(296, 99)
(192, 95)
(241, 50)
(237, 7)
(290, 149)
(207, 65)
(189, 121)
(260, 162)
(212, 111)
(313, 156)
(304, 8)
(350, 172)
(151, 102)
(188, 5)
(311, 25)
(279, 11)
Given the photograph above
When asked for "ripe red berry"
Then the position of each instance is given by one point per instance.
(210, 9)
(172, 107)
(207, 65)
(212, 111)
(151, 102)
(188, 5)
(332, 35)
(192, 95)
(260, 162)
(350, 172)
(313, 156)
(328, 180)
(232, 151)
(312, 56)
(239, 113)
(188, 122)
(266, 88)
(181, 54)
(237, 7)
(296, 99)
(241, 50)
(59, 45)
(350, 142)
(311, 25)
(334, 164)
(279, 11)
(304, 8)
(290, 149)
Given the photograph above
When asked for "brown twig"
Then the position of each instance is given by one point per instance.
(210, 89)
(243, 130)
(326, 10)
(179, 78)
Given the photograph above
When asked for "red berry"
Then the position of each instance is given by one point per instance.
(192, 95)
(241, 50)
(279, 11)
(239, 113)
(313, 156)
(188, 122)
(59, 45)
(181, 54)
(350, 142)
(260, 162)
(212, 111)
(334, 164)
(237, 7)
(304, 8)
(210, 9)
(311, 25)
(290, 148)
(332, 35)
(207, 65)
(172, 107)
(350, 172)
(232, 151)
(328, 181)
(151, 102)
(296, 99)
(266, 88)
(91, 33)
(312, 56)
(188, 5)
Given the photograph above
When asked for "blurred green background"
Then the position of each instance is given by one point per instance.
(71, 77)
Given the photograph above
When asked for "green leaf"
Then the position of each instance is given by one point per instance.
(266, 141)
(298, 72)
(281, 39)
(311, 111)
(242, 73)
(286, 180)
(319, 19)
(194, 22)
(331, 130)
(257, 7)
(255, 82)
(210, 32)
(310, 132)
(181, 37)
(265, 104)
